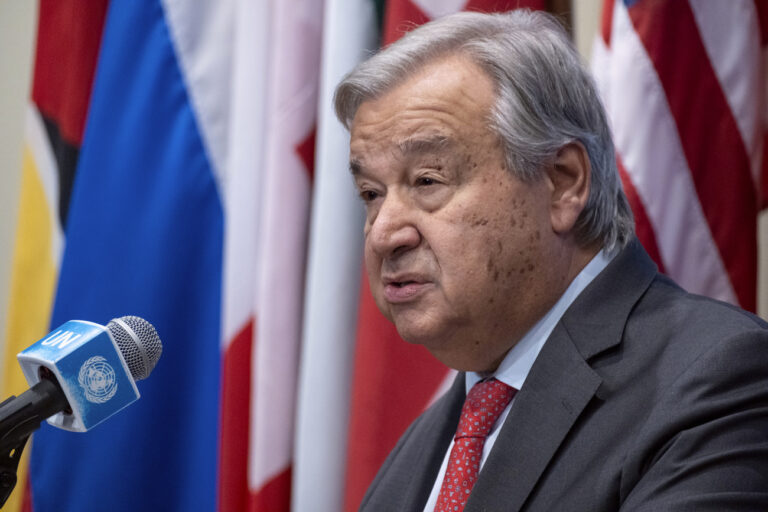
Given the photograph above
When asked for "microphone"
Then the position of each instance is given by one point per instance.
(80, 374)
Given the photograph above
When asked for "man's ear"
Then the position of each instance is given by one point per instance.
(569, 178)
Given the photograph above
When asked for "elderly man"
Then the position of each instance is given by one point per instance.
(497, 235)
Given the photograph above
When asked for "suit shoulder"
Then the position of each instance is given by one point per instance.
(666, 308)
(669, 332)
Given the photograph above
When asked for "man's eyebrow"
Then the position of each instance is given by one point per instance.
(421, 145)
(408, 147)
(355, 167)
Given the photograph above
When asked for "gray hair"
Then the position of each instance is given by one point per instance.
(546, 99)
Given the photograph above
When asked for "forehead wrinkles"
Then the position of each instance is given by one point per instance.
(449, 87)
(415, 130)
(420, 113)
(448, 100)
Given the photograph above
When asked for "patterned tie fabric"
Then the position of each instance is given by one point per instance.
(482, 407)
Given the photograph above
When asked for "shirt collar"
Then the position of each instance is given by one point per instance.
(515, 366)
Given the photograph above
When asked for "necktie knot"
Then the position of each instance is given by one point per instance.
(482, 407)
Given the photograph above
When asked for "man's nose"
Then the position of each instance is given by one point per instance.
(393, 230)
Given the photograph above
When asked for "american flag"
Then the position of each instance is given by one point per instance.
(684, 84)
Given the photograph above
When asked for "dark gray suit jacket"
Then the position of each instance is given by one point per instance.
(643, 398)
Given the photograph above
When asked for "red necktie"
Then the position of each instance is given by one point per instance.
(482, 407)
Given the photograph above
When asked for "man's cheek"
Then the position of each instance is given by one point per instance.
(372, 264)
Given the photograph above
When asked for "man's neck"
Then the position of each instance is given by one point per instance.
(515, 365)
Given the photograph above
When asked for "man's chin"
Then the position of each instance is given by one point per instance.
(417, 336)
(436, 342)
(450, 350)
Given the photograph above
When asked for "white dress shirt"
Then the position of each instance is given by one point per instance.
(514, 369)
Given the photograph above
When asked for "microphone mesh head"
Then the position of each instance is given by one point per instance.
(139, 344)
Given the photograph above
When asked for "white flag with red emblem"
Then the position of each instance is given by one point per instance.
(267, 200)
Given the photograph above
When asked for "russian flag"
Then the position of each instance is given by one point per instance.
(144, 236)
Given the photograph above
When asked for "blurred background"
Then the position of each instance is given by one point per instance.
(180, 161)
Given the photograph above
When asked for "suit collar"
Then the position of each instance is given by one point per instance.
(596, 319)
(561, 383)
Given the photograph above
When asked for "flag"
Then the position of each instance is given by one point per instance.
(393, 381)
(67, 48)
(243, 202)
(267, 201)
(201, 233)
(144, 236)
(335, 247)
(684, 84)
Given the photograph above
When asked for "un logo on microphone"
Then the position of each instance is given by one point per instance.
(97, 378)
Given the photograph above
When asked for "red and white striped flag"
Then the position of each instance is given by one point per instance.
(684, 84)
(267, 198)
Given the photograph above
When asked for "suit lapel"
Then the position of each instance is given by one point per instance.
(435, 433)
(560, 384)
(544, 411)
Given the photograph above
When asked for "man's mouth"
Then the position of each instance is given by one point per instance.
(401, 290)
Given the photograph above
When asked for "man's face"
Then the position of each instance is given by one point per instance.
(460, 254)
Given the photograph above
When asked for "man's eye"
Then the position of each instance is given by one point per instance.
(425, 181)
(368, 195)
